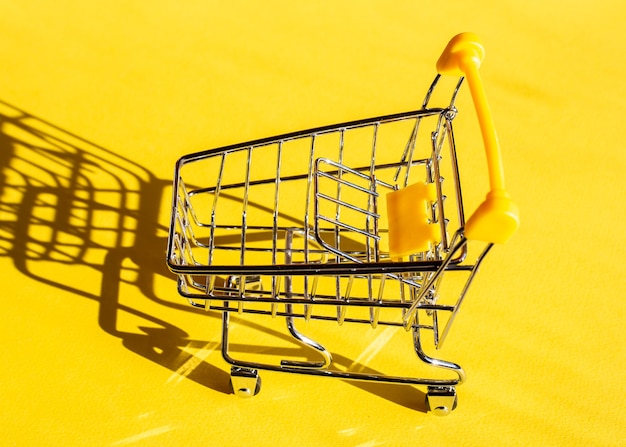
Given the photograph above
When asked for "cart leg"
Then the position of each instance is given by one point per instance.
(438, 363)
(441, 400)
(295, 333)
(309, 342)
(245, 382)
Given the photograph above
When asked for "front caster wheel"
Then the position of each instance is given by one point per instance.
(245, 382)
(441, 400)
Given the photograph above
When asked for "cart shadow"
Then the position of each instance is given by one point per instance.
(84, 220)
(67, 203)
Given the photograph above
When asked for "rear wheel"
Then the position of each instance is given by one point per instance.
(441, 400)
(245, 382)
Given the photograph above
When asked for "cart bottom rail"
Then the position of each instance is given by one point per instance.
(440, 397)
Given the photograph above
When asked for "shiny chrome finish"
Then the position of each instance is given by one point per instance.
(306, 341)
(245, 382)
(441, 400)
(309, 233)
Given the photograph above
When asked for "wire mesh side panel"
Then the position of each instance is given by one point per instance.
(316, 199)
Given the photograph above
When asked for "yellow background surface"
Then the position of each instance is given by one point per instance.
(103, 97)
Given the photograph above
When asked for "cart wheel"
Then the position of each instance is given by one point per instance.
(441, 400)
(245, 382)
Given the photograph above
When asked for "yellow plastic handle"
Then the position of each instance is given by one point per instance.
(497, 218)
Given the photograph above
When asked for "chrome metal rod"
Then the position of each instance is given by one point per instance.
(457, 306)
(303, 339)
(438, 363)
(446, 262)
(347, 375)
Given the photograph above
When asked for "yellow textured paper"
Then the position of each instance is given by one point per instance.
(98, 100)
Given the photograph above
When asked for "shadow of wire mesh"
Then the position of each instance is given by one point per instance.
(80, 218)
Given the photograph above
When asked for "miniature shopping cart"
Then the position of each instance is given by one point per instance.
(356, 223)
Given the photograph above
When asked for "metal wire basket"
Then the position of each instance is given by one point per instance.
(358, 222)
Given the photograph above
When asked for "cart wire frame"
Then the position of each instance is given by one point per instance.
(232, 252)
